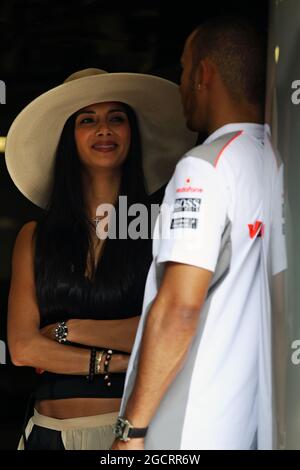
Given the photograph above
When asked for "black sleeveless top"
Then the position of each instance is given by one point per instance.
(81, 301)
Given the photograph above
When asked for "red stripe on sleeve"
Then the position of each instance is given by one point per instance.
(225, 146)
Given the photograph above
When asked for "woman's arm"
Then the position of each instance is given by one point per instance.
(113, 334)
(28, 347)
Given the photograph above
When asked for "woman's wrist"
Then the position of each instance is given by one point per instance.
(119, 363)
(79, 331)
(70, 325)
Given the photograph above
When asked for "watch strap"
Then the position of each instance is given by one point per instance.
(137, 432)
(124, 430)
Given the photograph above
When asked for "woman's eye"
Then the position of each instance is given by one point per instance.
(118, 118)
(86, 120)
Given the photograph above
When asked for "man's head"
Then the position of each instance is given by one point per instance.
(223, 58)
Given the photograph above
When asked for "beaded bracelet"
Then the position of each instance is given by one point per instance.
(108, 357)
(91, 375)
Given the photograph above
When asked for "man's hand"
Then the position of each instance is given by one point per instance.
(132, 444)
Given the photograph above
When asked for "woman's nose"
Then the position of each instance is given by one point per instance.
(103, 129)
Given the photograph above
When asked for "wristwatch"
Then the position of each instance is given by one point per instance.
(61, 332)
(124, 430)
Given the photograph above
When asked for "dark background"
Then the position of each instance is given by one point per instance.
(41, 43)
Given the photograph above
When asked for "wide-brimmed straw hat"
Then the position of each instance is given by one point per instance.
(34, 135)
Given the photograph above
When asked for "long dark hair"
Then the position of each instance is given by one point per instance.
(63, 242)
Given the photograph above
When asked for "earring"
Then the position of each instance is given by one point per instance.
(199, 86)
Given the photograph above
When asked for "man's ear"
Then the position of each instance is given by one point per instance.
(205, 72)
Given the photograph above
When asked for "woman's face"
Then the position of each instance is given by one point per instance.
(102, 135)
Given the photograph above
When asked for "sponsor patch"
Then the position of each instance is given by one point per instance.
(184, 222)
(187, 205)
(189, 189)
(256, 230)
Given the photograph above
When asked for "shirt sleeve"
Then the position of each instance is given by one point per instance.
(193, 215)
(278, 241)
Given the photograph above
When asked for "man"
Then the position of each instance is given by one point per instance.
(197, 375)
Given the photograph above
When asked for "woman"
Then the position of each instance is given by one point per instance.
(75, 299)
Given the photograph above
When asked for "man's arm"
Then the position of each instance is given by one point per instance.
(169, 331)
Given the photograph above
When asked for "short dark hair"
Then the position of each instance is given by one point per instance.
(238, 49)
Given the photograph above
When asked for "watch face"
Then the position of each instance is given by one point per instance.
(60, 330)
(119, 428)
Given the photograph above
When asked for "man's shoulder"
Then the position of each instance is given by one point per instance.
(212, 151)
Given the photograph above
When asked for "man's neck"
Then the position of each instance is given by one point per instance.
(234, 112)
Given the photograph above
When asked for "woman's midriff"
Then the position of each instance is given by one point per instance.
(77, 407)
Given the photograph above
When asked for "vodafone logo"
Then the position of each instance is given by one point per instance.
(256, 230)
(188, 188)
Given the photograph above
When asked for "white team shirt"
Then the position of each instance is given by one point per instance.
(273, 262)
(217, 209)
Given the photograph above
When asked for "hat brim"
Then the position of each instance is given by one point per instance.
(33, 137)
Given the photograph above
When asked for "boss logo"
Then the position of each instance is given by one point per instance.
(187, 205)
(184, 222)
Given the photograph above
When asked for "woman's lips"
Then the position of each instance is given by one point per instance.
(104, 147)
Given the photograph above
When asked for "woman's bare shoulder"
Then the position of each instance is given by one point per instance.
(27, 230)
(25, 236)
